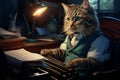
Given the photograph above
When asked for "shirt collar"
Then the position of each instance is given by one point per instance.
(78, 36)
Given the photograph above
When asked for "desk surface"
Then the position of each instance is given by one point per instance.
(2, 41)
(12, 43)
(15, 43)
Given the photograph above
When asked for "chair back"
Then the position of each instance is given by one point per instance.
(111, 28)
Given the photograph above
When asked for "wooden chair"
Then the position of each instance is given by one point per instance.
(111, 28)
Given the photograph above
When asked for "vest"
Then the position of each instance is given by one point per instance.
(81, 49)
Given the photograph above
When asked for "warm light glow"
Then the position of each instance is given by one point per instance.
(39, 11)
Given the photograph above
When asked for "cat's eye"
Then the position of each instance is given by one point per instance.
(77, 18)
(68, 19)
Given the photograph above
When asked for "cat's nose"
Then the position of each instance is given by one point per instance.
(72, 25)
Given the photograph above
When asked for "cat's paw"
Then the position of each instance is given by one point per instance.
(45, 52)
(71, 65)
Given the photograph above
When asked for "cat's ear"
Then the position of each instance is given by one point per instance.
(85, 4)
(66, 7)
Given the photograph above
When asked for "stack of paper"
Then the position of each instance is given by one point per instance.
(21, 55)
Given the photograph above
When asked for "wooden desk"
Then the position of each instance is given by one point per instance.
(15, 43)
(36, 47)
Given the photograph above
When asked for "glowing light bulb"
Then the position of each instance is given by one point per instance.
(39, 11)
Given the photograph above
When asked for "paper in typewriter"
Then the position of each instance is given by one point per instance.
(21, 55)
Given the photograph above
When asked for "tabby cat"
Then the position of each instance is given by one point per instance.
(85, 47)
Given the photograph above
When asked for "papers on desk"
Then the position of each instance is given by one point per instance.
(5, 32)
(8, 34)
(21, 55)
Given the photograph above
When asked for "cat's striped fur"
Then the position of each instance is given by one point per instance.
(79, 19)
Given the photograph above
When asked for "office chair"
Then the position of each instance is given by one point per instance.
(111, 28)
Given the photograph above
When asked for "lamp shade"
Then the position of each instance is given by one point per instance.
(39, 11)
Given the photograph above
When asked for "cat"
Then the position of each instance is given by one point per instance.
(85, 47)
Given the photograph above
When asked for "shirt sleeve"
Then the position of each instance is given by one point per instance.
(100, 49)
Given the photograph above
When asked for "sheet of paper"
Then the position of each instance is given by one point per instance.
(5, 32)
(8, 34)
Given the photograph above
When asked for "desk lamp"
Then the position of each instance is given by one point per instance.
(38, 12)
(41, 8)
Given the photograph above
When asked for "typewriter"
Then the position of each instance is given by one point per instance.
(57, 70)
(48, 69)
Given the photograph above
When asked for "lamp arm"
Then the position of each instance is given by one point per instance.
(27, 25)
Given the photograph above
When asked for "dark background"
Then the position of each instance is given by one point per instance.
(9, 7)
